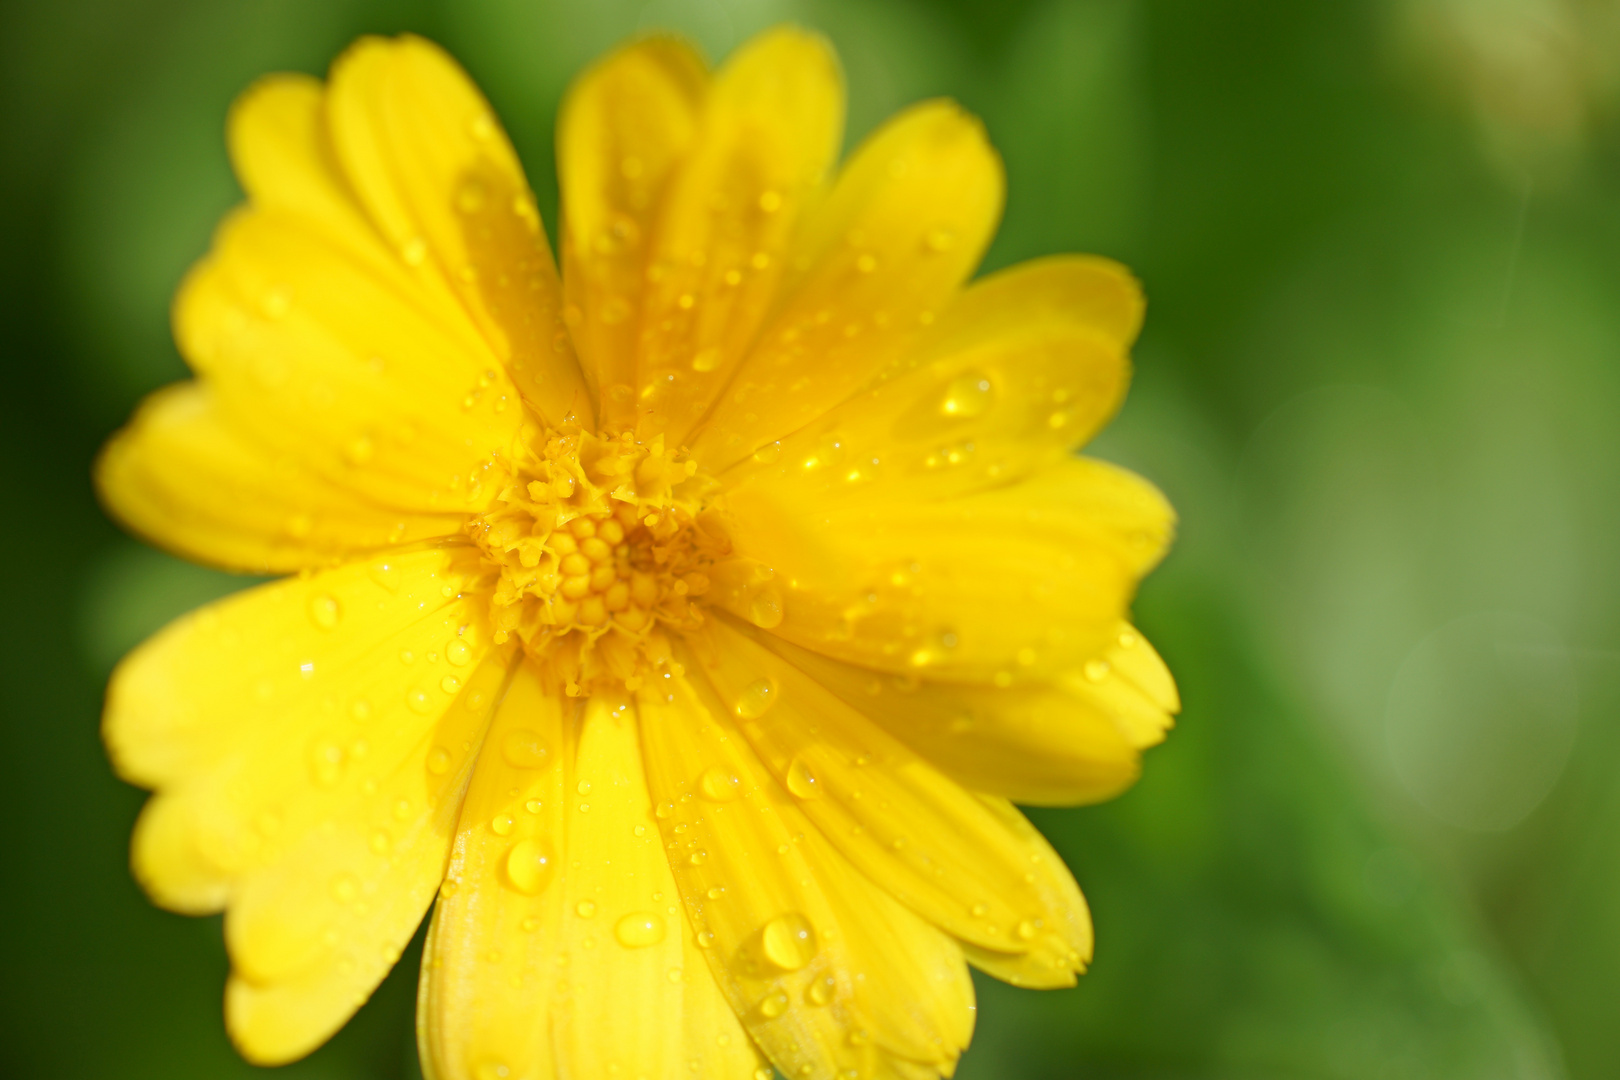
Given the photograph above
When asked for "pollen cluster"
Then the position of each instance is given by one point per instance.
(599, 547)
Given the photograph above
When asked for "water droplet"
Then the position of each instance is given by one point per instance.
(768, 453)
(345, 888)
(966, 396)
(324, 611)
(698, 857)
(450, 684)
(438, 761)
(774, 1005)
(1057, 420)
(765, 608)
(523, 748)
(458, 652)
(638, 930)
(665, 810)
(980, 910)
(1096, 670)
(940, 240)
(820, 991)
(859, 1037)
(502, 824)
(583, 787)
(788, 941)
(419, 701)
(718, 784)
(717, 892)
(706, 359)
(528, 867)
(801, 781)
(402, 810)
(585, 909)
(470, 196)
(379, 843)
(326, 763)
(533, 806)
(756, 699)
(1026, 930)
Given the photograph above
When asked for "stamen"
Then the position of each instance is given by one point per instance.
(597, 546)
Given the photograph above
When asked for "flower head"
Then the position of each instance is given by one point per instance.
(679, 627)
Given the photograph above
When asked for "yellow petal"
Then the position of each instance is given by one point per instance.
(438, 179)
(827, 971)
(309, 351)
(906, 222)
(1022, 367)
(183, 476)
(769, 131)
(312, 933)
(1007, 585)
(623, 127)
(1043, 744)
(931, 844)
(310, 739)
(560, 948)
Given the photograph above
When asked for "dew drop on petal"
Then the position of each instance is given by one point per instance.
(756, 699)
(458, 652)
(774, 1005)
(438, 761)
(718, 784)
(345, 888)
(639, 930)
(324, 611)
(765, 607)
(523, 748)
(820, 991)
(801, 781)
(968, 395)
(419, 701)
(528, 867)
(585, 909)
(788, 941)
(502, 824)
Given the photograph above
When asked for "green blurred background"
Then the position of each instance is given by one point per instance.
(1379, 379)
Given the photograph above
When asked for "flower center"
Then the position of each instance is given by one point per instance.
(599, 549)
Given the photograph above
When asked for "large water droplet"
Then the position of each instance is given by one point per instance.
(820, 991)
(458, 652)
(324, 611)
(801, 781)
(968, 395)
(385, 574)
(718, 784)
(345, 888)
(502, 824)
(523, 748)
(774, 1005)
(326, 763)
(528, 867)
(765, 607)
(756, 699)
(788, 941)
(639, 930)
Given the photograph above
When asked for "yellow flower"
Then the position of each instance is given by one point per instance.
(686, 624)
